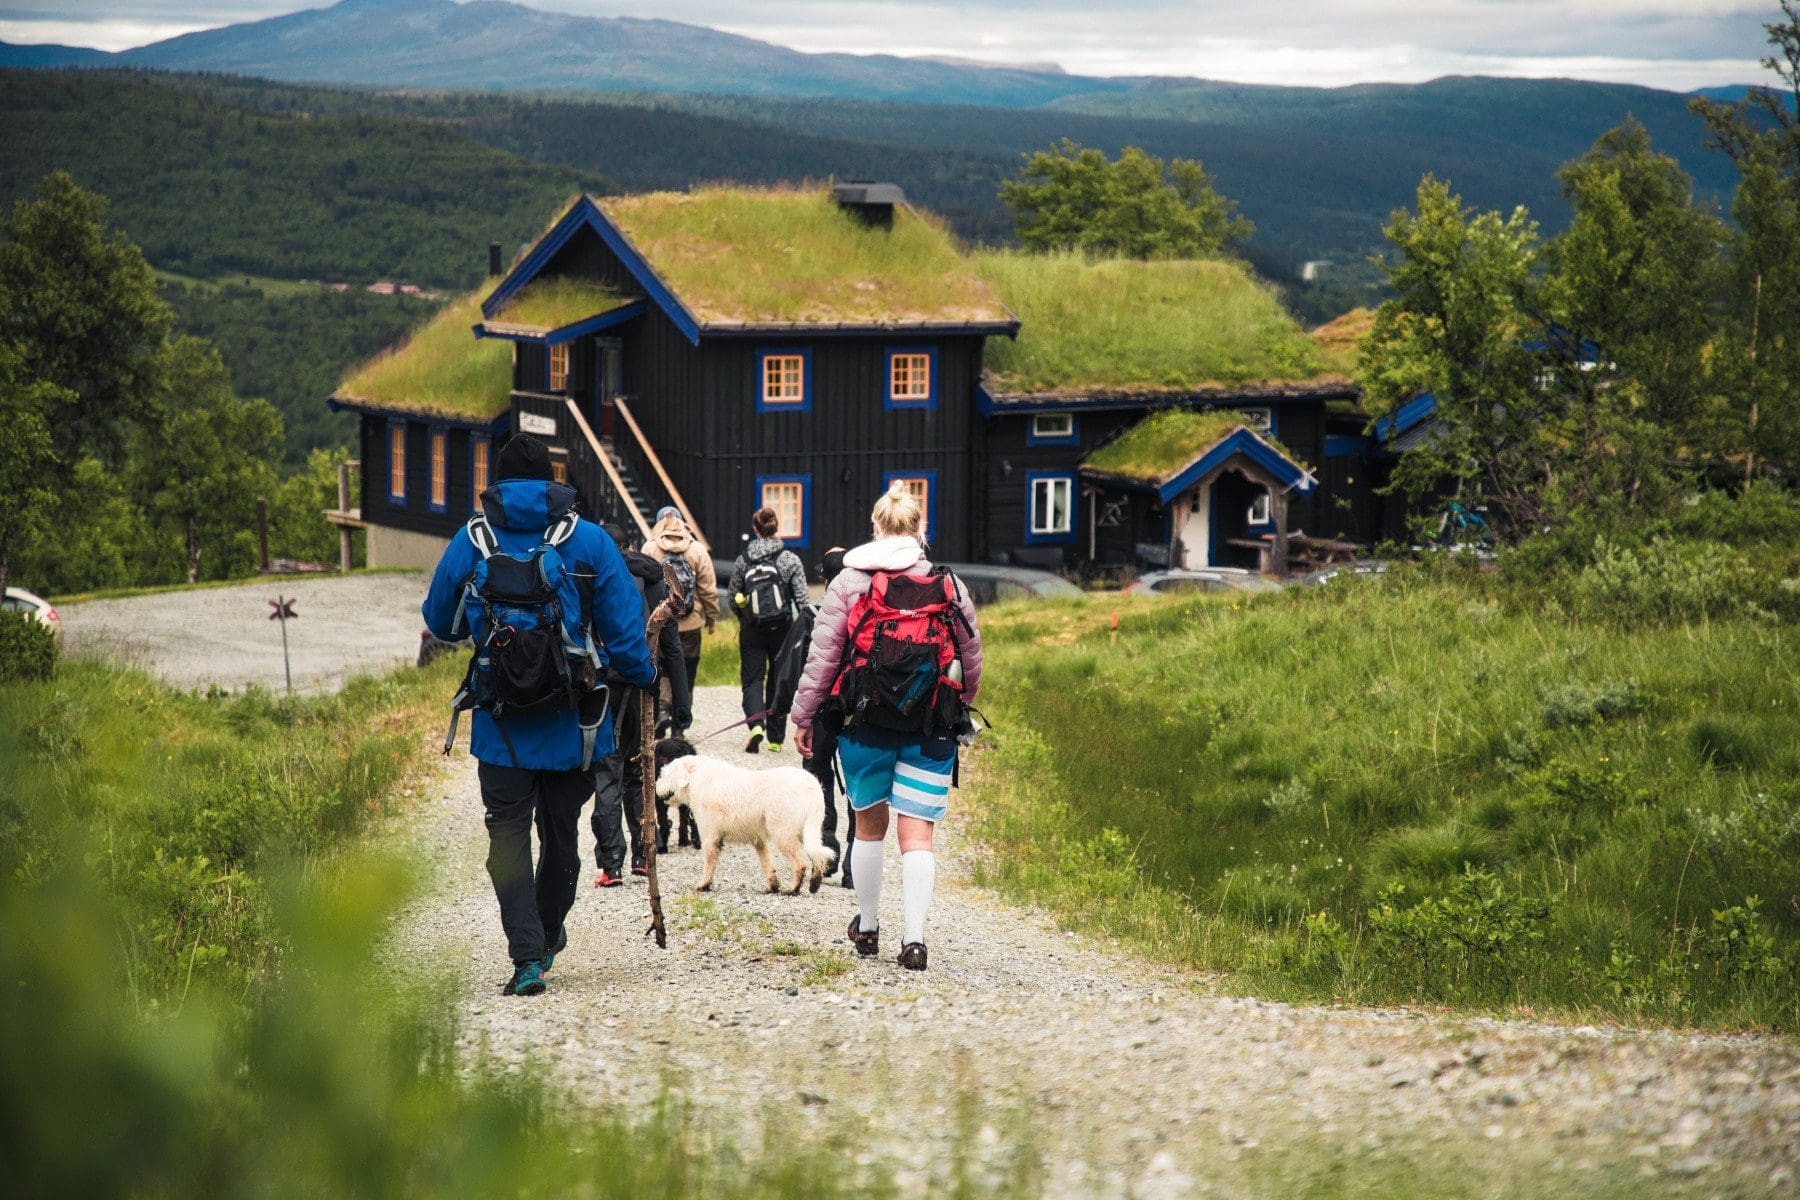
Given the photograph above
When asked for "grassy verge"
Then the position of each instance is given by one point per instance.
(719, 657)
(1414, 789)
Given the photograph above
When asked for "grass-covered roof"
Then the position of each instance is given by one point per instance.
(547, 304)
(1341, 338)
(442, 370)
(1119, 325)
(792, 256)
(1157, 448)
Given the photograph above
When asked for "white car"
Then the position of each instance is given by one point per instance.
(20, 600)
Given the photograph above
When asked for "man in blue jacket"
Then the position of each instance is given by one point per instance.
(531, 770)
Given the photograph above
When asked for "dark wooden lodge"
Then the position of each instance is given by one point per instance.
(731, 348)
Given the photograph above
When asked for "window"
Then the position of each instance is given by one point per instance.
(922, 484)
(1259, 510)
(559, 366)
(912, 377)
(480, 447)
(397, 462)
(783, 379)
(1052, 515)
(787, 495)
(1052, 427)
(1262, 420)
(440, 470)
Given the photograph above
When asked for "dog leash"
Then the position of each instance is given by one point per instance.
(727, 728)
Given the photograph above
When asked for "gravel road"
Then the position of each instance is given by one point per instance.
(1132, 1079)
(347, 625)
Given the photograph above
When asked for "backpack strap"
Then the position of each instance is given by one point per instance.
(481, 534)
(563, 530)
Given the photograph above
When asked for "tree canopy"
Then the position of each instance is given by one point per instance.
(1074, 198)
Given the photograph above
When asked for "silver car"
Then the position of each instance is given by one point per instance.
(20, 600)
(1200, 579)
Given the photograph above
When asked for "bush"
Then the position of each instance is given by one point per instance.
(1473, 934)
(1671, 581)
(27, 648)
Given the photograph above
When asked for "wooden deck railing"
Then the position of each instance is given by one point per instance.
(649, 455)
(600, 457)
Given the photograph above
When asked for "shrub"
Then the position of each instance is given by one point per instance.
(1578, 705)
(27, 648)
(1475, 933)
(1670, 581)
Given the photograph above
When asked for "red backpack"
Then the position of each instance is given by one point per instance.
(897, 671)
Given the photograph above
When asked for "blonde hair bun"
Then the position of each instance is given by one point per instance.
(898, 513)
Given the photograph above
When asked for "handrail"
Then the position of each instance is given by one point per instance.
(618, 402)
(606, 464)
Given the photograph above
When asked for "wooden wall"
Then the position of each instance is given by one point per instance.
(415, 514)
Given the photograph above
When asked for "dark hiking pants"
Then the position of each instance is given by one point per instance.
(619, 791)
(823, 767)
(533, 904)
(758, 647)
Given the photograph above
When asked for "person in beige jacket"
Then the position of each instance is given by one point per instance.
(671, 539)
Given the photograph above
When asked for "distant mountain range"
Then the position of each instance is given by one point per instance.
(495, 44)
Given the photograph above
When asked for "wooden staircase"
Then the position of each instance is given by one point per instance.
(623, 478)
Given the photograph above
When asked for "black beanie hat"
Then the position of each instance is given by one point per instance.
(524, 457)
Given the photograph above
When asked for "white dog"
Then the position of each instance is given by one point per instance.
(781, 808)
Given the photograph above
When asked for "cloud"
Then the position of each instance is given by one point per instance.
(1664, 43)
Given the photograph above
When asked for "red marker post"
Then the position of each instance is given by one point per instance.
(284, 612)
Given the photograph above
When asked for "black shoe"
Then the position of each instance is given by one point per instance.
(868, 945)
(912, 956)
(639, 866)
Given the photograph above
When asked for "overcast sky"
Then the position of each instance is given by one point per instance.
(1679, 44)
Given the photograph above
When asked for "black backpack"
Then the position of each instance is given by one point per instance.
(767, 595)
(690, 584)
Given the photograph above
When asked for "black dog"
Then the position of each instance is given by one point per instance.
(667, 751)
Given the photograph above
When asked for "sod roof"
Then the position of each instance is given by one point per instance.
(1163, 444)
(1342, 337)
(544, 305)
(442, 370)
(1123, 326)
(784, 256)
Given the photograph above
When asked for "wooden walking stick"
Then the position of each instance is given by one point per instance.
(647, 829)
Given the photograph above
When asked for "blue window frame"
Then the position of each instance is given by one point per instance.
(777, 374)
(481, 468)
(910, 368)
(1048, 422)
(927, 479)
(791, 498)
(396, 463)
(437, 466)
(1050, 506)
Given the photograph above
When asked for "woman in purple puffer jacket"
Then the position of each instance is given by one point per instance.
(884, 769)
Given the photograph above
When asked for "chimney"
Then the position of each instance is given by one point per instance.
(869, 202)
(493, 258)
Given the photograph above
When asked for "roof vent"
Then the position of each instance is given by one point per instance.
(869, 202)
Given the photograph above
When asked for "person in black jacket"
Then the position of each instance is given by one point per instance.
(768, 586)
(789, 664)
(619, 778)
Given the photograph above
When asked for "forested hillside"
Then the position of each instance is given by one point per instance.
(206, 187)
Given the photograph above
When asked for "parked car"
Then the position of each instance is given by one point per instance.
(991, 584)
(1362, 566)
(1200, 579)
(19, 600)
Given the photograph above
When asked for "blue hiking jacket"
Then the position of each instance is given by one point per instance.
(600, 588)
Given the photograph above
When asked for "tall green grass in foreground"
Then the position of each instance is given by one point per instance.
(1437, 789)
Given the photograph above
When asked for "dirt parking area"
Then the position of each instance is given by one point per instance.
(223, 636)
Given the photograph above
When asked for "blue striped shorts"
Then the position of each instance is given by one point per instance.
(903, 776)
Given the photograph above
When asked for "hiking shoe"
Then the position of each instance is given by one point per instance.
(527, 980)
(562, 943)
(640, 869)
(912, 956)
(608, 879)
(754, 745)
(868, 945)
(774, 747)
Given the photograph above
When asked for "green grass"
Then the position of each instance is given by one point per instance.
(546, 304)
(443, 369)
(1239, 785)
(738, 255)
(1122, 325)
(1163, 443)
(719, 653)
(267, 284)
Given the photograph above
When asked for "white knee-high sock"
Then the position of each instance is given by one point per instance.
(865, 873)
(918, 873)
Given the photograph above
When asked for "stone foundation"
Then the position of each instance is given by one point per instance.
(390, 547)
